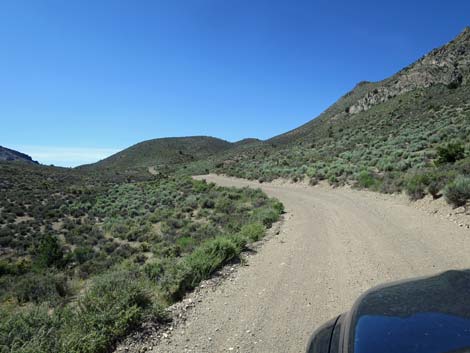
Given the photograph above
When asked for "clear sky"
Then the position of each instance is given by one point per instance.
(80, 79)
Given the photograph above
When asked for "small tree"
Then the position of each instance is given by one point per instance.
(450, 153)
(50, 252)
(457, 193)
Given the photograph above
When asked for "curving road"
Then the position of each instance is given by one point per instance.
(334, 245)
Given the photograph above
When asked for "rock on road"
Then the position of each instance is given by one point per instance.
(333, 245)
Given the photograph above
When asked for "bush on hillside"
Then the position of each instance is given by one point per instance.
(39, 288)
(266, 216)
(279, 207)
(114, 304)
(313, 181)
(200, 264)
(457, 192)
(30, 330)
(450, 152)
(50, 252)
(333, 180)
(390, 183)
(416, 186)
(434, 188)
(365, 180)
(253, 231)
(7, 268)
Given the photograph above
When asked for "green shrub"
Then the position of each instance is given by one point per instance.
(224, 205)
(457, 192)
(203, 262)
(365, 180)
(463, 166)
(279, 207)
(333, 180)
(114, 304)
(416, 186)
(50, 252)
(166, 273)
(253, 231)
(239, 241)
(266, 216)
(30, 330)
(156, 269)
(186, 243)
(7, 268)
(450, 152)
(210, 256)
(38, 288)
(312, 181)
(82, 254)
(207, 203)
(453, 85)
(434, 188)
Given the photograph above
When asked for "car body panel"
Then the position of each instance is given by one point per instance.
(424, 315)
(320, 341)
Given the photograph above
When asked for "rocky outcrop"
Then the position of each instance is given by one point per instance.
(448, 65)
(9, 155)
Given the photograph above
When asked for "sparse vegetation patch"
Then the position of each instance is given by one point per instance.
(85, 259)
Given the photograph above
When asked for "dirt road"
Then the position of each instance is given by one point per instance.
(333, 245)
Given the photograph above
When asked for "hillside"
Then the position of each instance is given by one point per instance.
(246, 142)
(448, 66)
(86, 258)
(10, 155)
(380, 134)
(162, 153)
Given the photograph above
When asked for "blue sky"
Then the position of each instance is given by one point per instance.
(82, 79)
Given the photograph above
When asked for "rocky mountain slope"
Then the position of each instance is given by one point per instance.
(448, 65)
(380, 134)
(9, 155)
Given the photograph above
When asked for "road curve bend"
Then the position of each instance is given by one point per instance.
(334, 244)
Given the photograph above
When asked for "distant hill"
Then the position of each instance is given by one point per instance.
(162, 152)
(384, 131)
(10, 155)
(246, 142)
